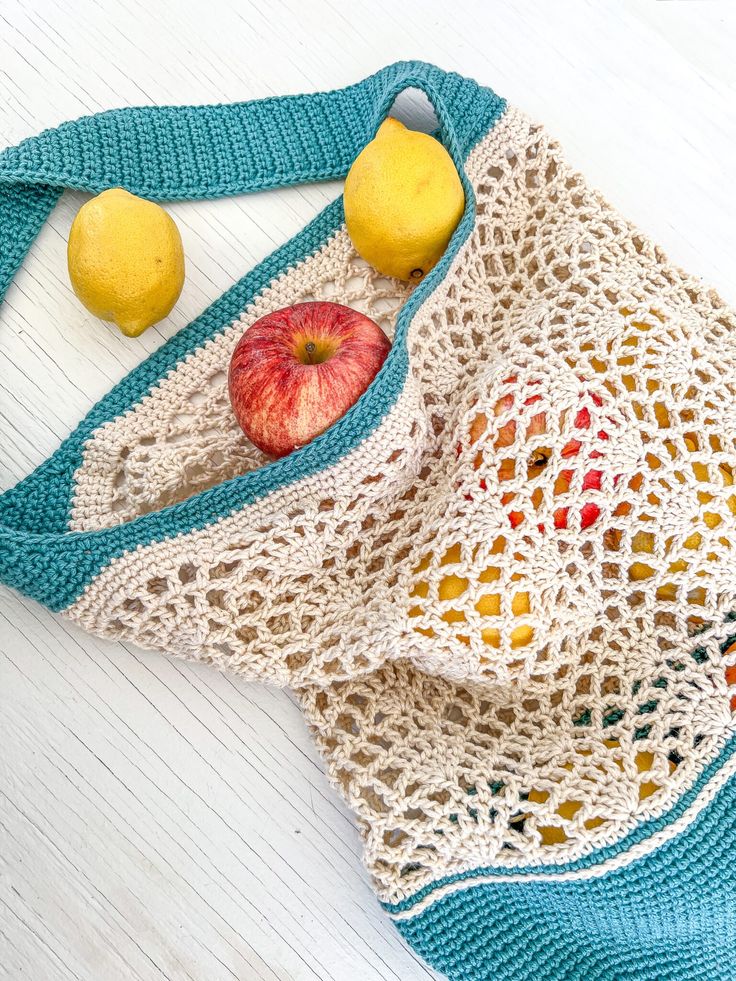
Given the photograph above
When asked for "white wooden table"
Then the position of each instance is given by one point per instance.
(159, 821)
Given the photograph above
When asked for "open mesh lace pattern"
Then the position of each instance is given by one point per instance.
(183, 438)
(508, 612)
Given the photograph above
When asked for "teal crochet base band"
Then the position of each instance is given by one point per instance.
(668, 916)
(205, 152)
(715, 775)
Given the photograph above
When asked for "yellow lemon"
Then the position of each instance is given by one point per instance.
(126, 262)
(403, 200)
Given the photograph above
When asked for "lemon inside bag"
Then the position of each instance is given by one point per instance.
(580, 491)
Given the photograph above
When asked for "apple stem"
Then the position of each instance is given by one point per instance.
(310, 347)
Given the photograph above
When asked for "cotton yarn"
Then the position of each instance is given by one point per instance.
(505, 599)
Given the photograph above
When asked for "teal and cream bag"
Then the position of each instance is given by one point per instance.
(503, 586)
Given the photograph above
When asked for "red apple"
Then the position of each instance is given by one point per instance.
(296, 371)
(537, 425)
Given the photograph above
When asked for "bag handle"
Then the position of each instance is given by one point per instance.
(193, 152)
(175, 153)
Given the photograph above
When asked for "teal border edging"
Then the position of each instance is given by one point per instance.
(55, 566)
(668, 916)
(645, 830)
(53, 479)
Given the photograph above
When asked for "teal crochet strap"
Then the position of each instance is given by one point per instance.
(23, 210)
(196, 152)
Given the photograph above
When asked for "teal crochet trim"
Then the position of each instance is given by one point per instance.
(669, 916)
(642, 831)
(204, 152)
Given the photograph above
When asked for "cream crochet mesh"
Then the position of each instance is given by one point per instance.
(183, 437)
(508, 612)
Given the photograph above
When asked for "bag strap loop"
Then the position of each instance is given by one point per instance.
(175, 153)
(195, 152)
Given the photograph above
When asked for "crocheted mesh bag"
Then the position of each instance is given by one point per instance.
(503, 585)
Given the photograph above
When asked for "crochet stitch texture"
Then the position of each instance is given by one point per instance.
(502, 586)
